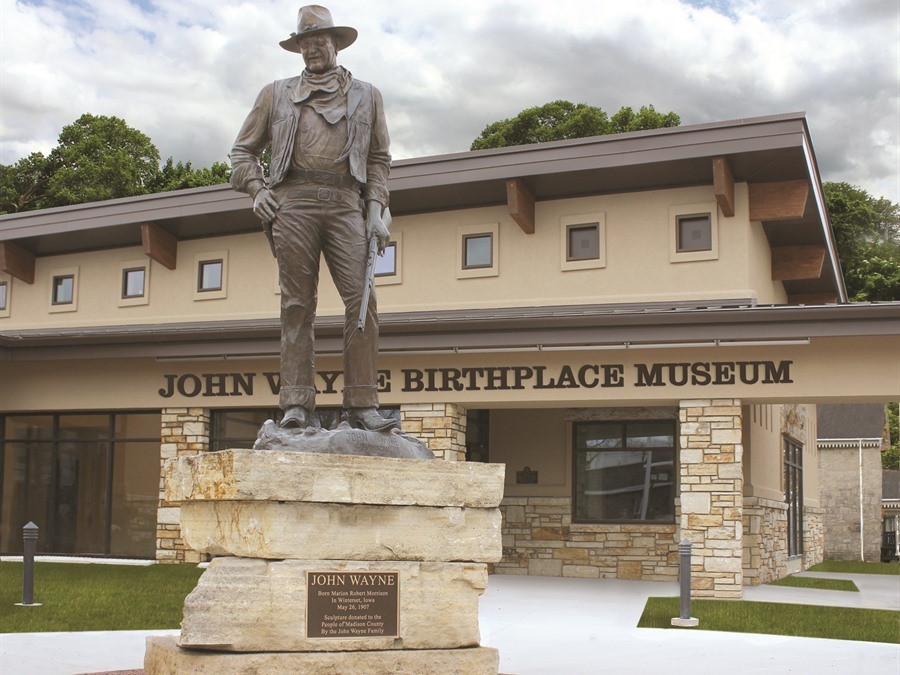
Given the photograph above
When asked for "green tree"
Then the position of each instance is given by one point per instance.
(179, 176)
(23, 184)
(867, 238)
(99, 158)
(890, 458)
(561, 120)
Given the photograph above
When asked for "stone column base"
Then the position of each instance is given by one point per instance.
(165, 657)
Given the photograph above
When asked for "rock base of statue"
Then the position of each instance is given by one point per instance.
(344, 440)
(333, 563)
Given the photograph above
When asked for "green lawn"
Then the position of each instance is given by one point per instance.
(816, 582)
(84, 597)
(836, 623)
(856, 567)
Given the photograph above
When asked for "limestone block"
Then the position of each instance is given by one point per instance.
(311, 477)
(253, 605)
(312, 531)
(165, 657)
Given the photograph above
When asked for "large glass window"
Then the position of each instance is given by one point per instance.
(793, 494)
(624, 471)
(478, 433)
(90, 482)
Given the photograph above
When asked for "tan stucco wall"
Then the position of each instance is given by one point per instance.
(828, 369)
(538, 439)
(530, 268)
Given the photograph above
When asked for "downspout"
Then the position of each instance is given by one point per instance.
(862, 545)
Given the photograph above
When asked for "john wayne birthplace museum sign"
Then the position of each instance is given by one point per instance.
(498, 378)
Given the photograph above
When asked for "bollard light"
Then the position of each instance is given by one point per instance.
(684, 579)
(29, 540)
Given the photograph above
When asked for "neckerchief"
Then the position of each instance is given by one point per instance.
(331, 90)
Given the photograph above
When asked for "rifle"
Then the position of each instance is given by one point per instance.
(370, 274)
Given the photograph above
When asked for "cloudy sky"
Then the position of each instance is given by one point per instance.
(185, 72)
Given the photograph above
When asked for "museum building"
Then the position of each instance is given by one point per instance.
(639, 326)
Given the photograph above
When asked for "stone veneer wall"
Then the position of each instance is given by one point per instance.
(712, 487)
(813, 536)
(540, 539)
(765, 540)
(441, 426)
(185, 431)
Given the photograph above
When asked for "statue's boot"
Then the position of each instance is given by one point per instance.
(295, 417)
(370, 420)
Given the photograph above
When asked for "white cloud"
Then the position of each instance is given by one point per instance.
(186, 71)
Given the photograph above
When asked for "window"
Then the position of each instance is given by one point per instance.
(209, 275)
(694, 233)
(478, 251)
(478, 433)
(793, 495)
(63, 289)
(212, 275)
(386, 264)
(89, 480)
(4, 296)
(624, 471)
(133, 282)
(583, 242)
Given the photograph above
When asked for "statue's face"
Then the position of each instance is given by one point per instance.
(319, 52)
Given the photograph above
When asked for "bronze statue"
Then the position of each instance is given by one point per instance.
(326, 194)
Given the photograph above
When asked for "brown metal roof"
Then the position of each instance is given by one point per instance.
(494, 329)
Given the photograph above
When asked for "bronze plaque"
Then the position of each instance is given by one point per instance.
(351, 604)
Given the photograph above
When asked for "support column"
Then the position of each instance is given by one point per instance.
(185, 431)
(712, 487)
(441, 426)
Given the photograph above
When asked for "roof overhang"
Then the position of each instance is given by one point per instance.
(580, 327)
(762, 151)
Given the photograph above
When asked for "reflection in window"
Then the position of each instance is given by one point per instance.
(4, 295)
(583, 242)
(386, 264)
(210, 275)
(64, 289)
(478, 250)
(133, 282)
(624, 471)
(694, 233)
(90, 482)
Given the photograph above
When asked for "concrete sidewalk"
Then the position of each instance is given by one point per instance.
(545, 626)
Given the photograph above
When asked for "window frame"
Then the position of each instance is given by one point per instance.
(58, 274)
(566, 262)
(792, 456)
(676, 213)
(132, 300)
(206, 258)
(466, 232)
(385, 279)
(5, 297)
(671, 424)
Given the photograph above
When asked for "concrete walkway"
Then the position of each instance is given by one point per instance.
(546, 626)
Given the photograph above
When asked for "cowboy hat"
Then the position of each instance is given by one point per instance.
(315, 19)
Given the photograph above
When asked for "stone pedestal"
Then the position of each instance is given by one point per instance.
(301, 539)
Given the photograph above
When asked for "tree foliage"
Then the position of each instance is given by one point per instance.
(561, 120)
(867, 238)
(97, 158)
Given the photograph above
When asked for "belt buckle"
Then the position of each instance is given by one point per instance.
(324, 194)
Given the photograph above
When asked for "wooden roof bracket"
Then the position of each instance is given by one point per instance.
(17, 262)
(159, 245)
(723, 181)
(520, 202)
